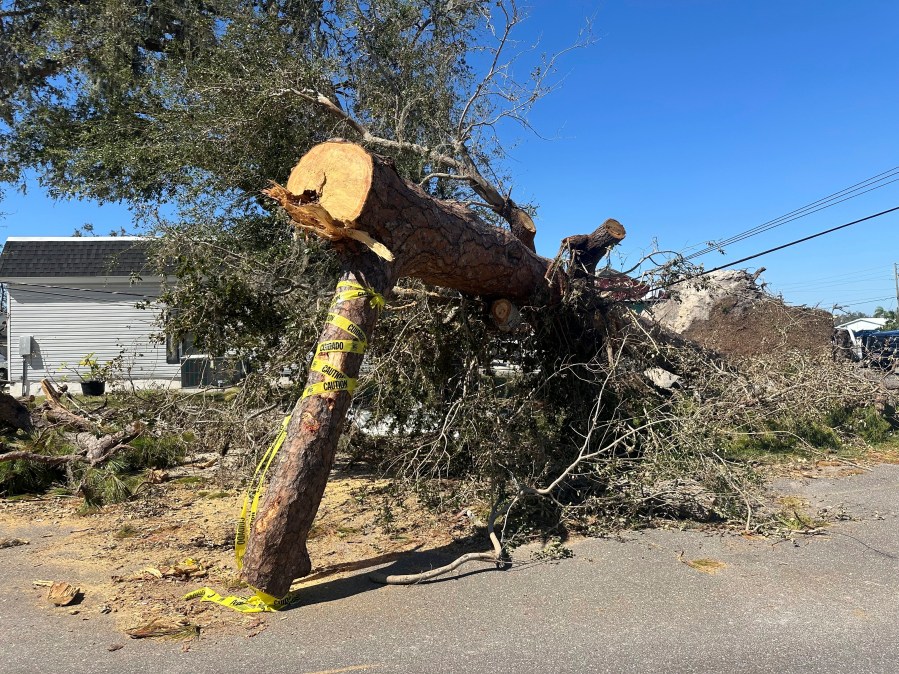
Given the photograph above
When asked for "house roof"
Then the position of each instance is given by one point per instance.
(30, 257)
(851, 325)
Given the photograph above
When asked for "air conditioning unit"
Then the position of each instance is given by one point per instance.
(197, 371)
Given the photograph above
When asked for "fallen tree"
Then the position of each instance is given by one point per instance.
(94, 446)
(383, 228)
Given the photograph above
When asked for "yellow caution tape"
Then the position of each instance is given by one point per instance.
(260, 602)
(334, 380)
(344, 345)
(347, 325)
(254, 493)
(356, 291)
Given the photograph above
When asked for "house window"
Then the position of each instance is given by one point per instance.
(176, 349)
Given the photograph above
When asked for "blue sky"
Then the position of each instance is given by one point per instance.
(690, 121)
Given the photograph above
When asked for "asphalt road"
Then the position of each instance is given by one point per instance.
(826, 603)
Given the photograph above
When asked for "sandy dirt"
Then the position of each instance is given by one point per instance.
(183, 532)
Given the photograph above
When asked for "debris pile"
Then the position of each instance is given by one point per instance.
(728, 312)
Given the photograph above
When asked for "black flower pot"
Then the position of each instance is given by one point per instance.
(93, 388)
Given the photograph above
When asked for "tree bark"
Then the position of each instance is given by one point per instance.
(276, 550)
(343, 193)
(442, 243)
(588, 249)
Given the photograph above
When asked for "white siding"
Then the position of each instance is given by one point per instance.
(68, 324)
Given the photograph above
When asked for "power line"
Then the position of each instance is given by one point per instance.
(847, 275)
(781, 247)
(850, 192)
(88, 290)
(873, 299)
(863, 274)
(845, 283)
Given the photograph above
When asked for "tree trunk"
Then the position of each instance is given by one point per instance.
(442, 243)
(276, 550)
(341, 192)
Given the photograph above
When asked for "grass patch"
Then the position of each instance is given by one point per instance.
(794, 515)
(190, 479)
(127, 531)
(706, 565)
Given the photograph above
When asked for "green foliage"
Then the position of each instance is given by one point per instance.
(27, 477)
(113, 481)
(154, 452)
(553, 551)
(22, 477)
(480, 400)
(865, 422)
(892, 317)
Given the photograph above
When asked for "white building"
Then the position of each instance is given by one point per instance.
(863, 324)
(74, 296)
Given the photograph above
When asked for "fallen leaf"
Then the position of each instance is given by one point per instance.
(705, 565)
(12, 542)
(115, 647)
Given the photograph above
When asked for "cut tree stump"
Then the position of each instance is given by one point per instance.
(383, 228)
(14, 414)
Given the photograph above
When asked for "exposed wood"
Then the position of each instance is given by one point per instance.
(520, 223)
(439, 242)
(412, 578)
(97, 450)
(54, 460)
(63, 594)
(94, 450)
(344, 164)
(57, 412)
(505, 315)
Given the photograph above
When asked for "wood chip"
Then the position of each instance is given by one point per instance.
(162, 627)
(63, 594)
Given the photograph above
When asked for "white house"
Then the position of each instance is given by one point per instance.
(850, 341)
(863, 324)
(74, 296)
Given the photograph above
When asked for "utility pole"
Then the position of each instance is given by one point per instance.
(896, 275)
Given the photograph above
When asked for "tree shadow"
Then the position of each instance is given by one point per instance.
(410, 561)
